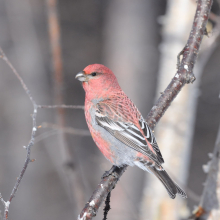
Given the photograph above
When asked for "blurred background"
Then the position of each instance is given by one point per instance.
(139, 40)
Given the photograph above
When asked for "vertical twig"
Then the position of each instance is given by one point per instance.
(54, 32)
(210, 201)
(31, 142)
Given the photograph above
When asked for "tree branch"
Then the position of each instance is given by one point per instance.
(184, 75)
(69, 130)
(209, 204)
(33, 134)
(61, 106)
(185, 69)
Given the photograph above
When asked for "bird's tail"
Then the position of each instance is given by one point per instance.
(171, 187)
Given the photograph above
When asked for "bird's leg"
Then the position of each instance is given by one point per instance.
(112, 171)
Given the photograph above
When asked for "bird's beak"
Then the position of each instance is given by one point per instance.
(81, 77)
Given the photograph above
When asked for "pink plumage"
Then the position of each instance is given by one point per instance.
(117, 127)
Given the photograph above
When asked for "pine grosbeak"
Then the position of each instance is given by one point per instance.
(117, 127)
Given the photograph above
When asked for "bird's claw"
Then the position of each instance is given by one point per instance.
(111, 172)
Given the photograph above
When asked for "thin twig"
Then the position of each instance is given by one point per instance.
(209, 204)
(61, 106)
(3, 56)
(56, 130)
(45, 135)
(33, 133)
(184, 75)
(69, 130)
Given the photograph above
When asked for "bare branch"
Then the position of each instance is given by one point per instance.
(57, 129)
(184, 75)
(33, 133)
(99, 195)
(34, 129)
(3, 56)
(69, 130)
(61, 106)
(185, 69)
(210, 201)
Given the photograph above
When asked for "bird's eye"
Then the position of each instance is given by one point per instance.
(93, 74)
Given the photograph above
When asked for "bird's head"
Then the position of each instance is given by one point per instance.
(98, 81)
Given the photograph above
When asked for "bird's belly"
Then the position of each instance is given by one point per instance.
(114, 150)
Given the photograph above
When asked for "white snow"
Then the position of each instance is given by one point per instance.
(92, 203)
(186, 67)
(83, 217)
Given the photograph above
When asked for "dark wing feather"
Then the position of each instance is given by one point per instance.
(150, 137)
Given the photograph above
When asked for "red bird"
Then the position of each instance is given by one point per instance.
(118, 128)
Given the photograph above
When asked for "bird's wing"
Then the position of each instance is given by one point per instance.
(118, 120)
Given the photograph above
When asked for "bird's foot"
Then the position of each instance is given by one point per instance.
(112, 172)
